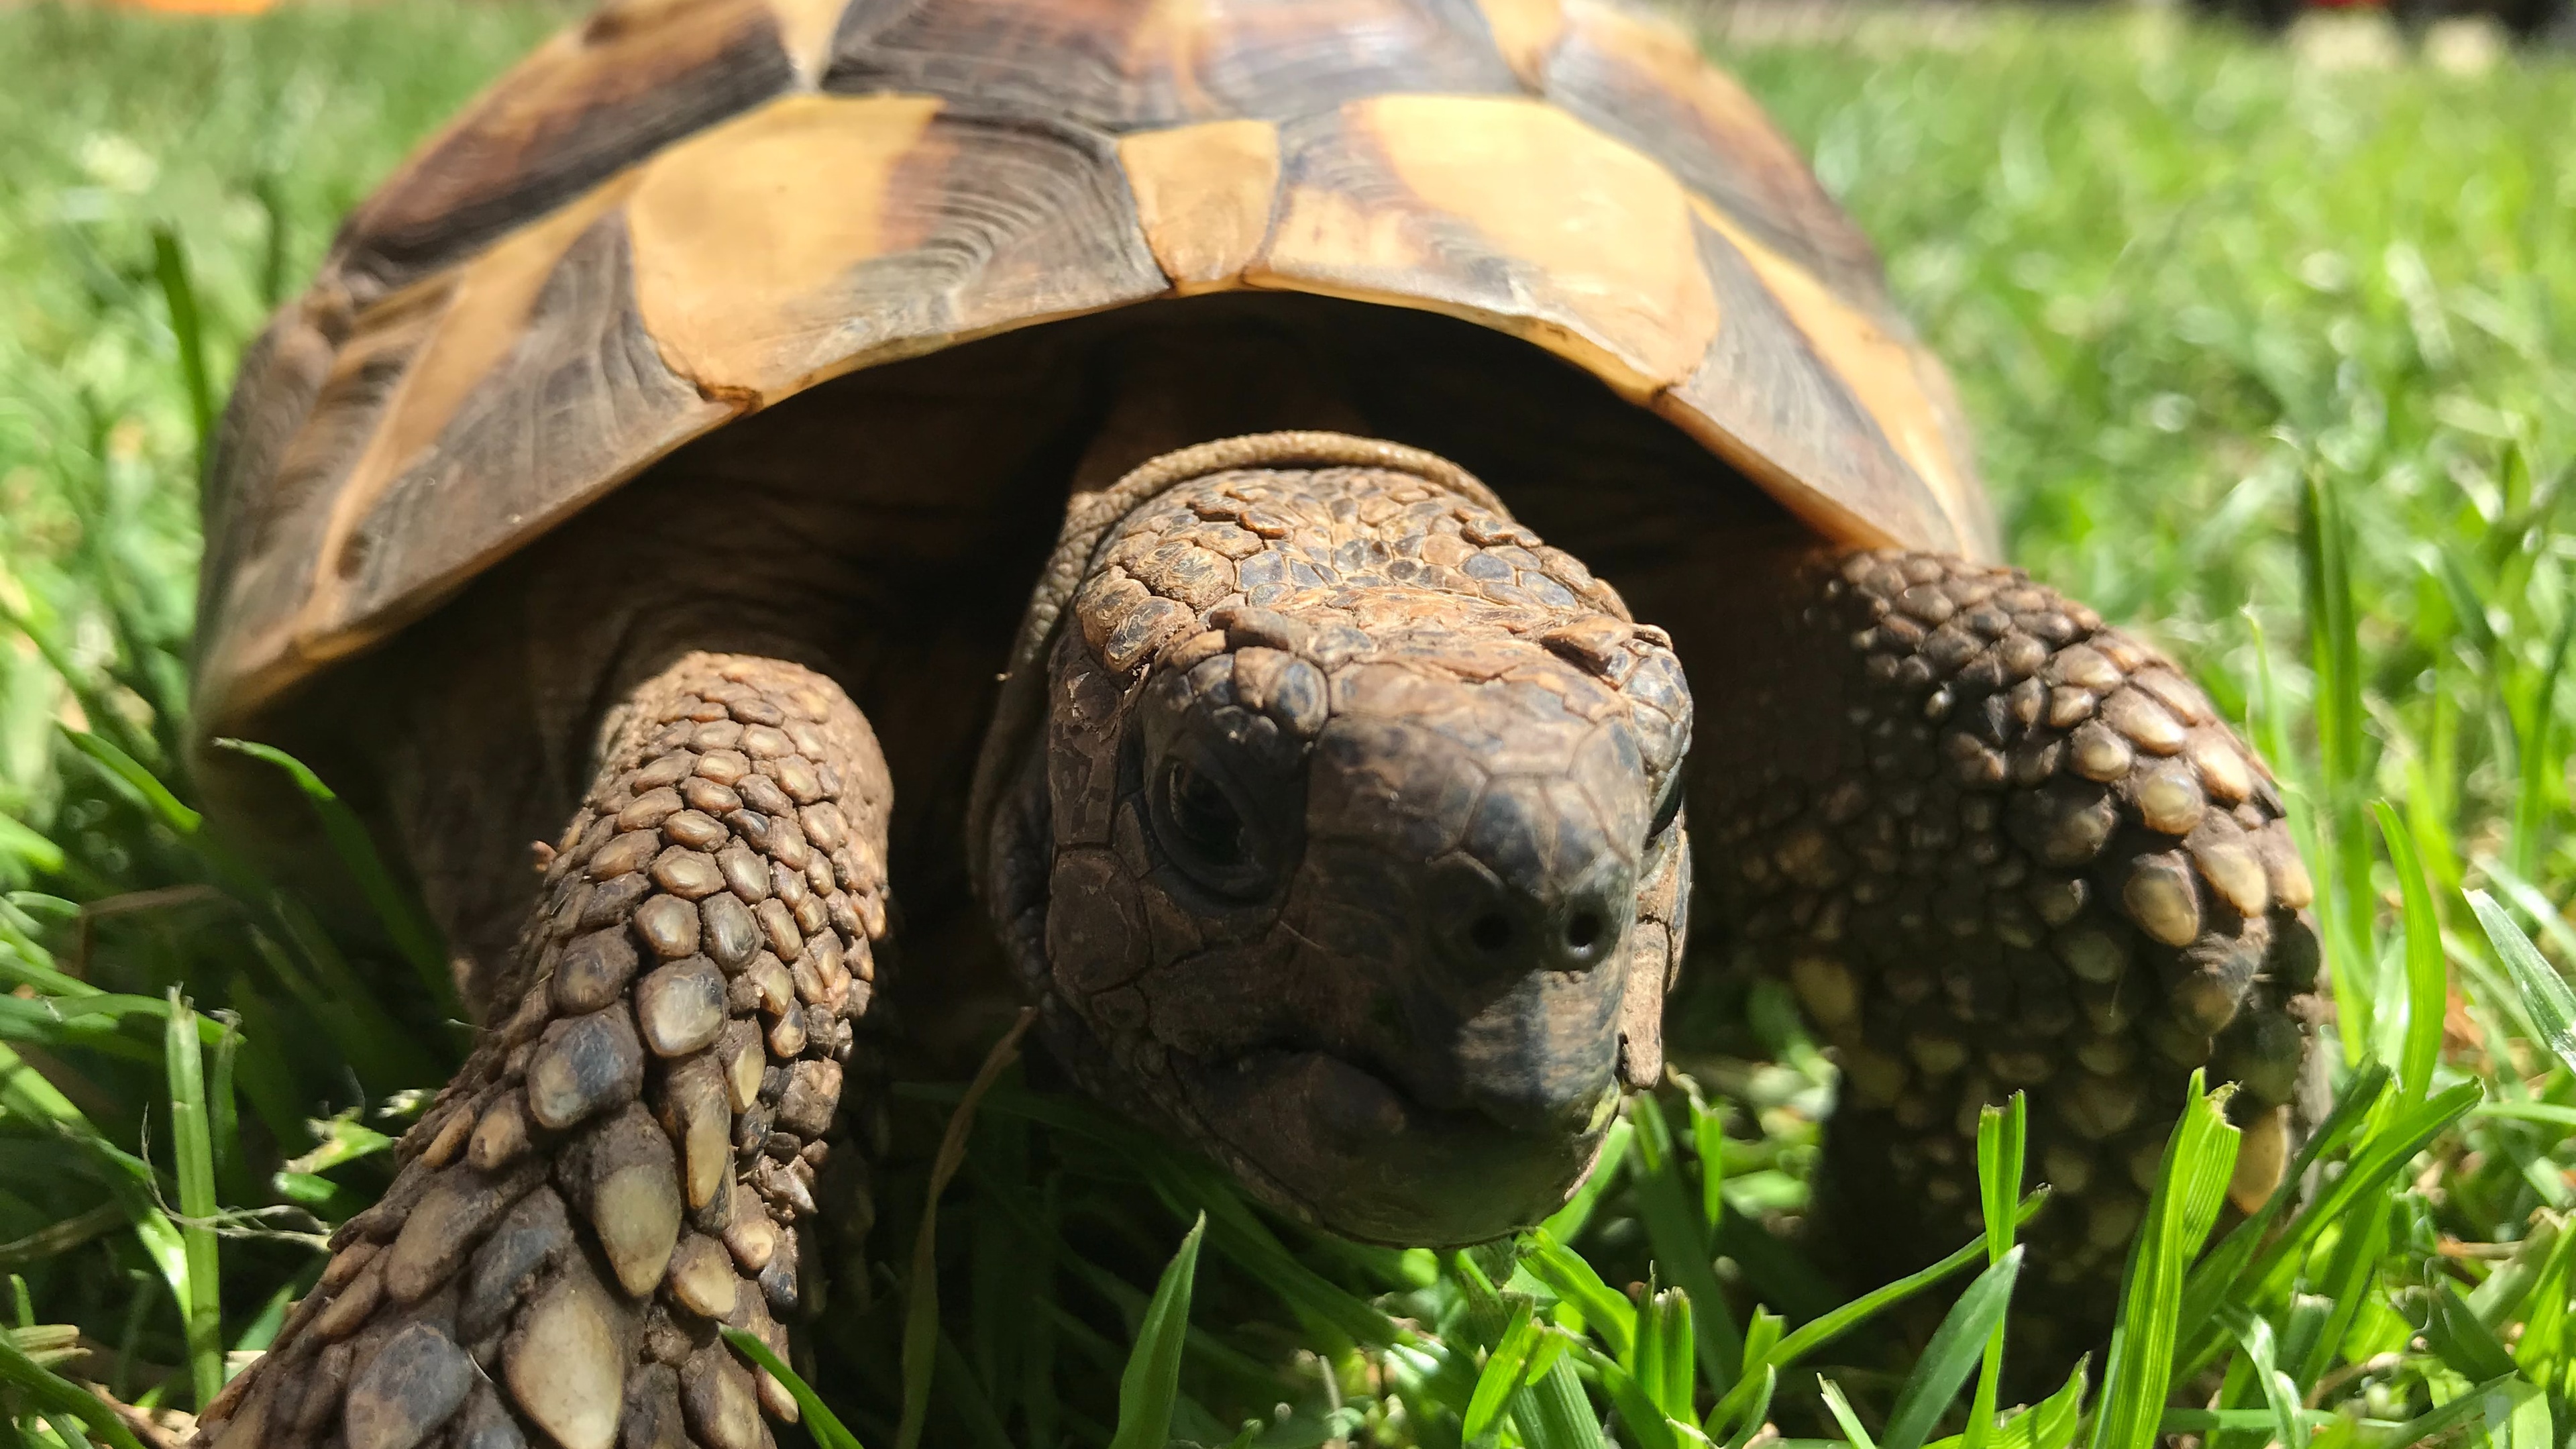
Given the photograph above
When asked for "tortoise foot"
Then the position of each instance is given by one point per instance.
(1992, 845)
(626, 1164)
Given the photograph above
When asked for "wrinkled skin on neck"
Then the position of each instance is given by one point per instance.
(1354, 834)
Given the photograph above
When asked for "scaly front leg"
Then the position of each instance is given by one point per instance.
(627, 1162)
(1994, 845)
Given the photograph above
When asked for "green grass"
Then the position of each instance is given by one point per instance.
(2276, 360)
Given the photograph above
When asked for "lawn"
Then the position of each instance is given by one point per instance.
(2278, 361)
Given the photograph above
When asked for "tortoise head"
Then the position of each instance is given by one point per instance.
(1349, 844)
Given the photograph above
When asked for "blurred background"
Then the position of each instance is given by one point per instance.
(2265, 314)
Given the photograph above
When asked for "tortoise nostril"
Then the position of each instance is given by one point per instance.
(1491, 933)
(1583, 932)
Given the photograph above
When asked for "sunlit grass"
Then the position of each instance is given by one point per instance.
(2274, 361)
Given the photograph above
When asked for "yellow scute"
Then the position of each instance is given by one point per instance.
(805, 31)
(1525, 31)
(740, 233)
(1601, 233)
(1203, 195)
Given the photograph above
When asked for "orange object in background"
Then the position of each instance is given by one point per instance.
(199, 7)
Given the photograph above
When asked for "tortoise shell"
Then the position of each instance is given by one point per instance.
(681, 211)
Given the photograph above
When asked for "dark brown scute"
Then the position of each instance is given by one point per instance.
(1767, 385)
(282, 375)
(581, 391)
(640, 75)
(267, 568)
(1122, 65)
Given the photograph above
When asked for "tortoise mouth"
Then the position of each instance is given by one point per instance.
(1333, 1140)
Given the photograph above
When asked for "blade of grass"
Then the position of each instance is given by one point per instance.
(2534, 904)
(2455, 1333)
(1708, 1143)
(2334, 650)
(2219, 1273)
(1680, 1245)
(2202, 1421)
(2344, 1282)
(2374, 1165)
(223, 1108)
(146, 786)
(1151, 1382)
(52, 1241)
(49, 1392)
(1761, 1335)
(2495, 1300)
(2428, 982)
(1640, 1418)
(2002, 1142)
(262, 1329)
(1501, 1374)
(2254, 1336)
(1488, 1312)
(1191, 1186)
(2200, 1156)
(819, 1420)
(1678, 1391)
(1840, 1407)
(1825, 1329)
(2541, 1353)
(2419, 1430)
(1953, 1354)
(271, 193)
(2002, 1137)
(192, 1148)
(413, 935)
(360, 1031)
(2534, 729)
(1606, 1311)
(999, 1270)
(179, 293)
(921, 1291)
(1038, 1348)
(26, 1094)
(2529, 1421)
(966, 1394)
(39, 976)
(1646, 1364)
(23, 841)
(1757, 1411)
(98, 1022)
(1819, 1332)
(84, 686)
(2052, 1423)
(1555, 1413)
(1132, 1302)
(385, 1054)
(2545, 994)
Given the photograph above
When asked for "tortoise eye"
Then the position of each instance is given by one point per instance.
(1204, 829)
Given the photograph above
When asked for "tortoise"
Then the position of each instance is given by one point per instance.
(1082, 470)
